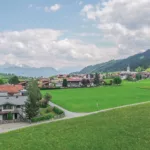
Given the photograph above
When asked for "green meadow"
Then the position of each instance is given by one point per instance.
(121, 129)
(93, 99)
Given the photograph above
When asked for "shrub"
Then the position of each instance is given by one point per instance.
(43, 103)
(111, 82)
(47, 97)
(117, 80)
(49, 109)
(42, 118)
(57, 110)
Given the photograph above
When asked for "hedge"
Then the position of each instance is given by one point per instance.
(55, 88)
(42, 118)
(57, 111)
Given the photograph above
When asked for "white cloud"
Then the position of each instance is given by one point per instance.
(43, 47)
(84, 34)
(126, 22)
(53, 8)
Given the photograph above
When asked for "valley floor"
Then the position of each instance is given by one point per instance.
(94, 99)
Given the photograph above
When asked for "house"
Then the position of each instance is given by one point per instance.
(74, 82)
(13, 105)
(23, 84)
(56, 82)
(10, 90)
(44, 83)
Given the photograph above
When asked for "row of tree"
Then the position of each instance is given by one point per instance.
(11, 80)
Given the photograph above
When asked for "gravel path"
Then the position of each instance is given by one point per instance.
(68, 114)
(14, 126)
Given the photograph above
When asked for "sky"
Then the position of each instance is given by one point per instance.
(72, 33)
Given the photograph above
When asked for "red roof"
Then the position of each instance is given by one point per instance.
(11, 88)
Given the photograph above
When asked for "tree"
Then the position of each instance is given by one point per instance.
(32, 103)
(117, 80)
(45, 100)
(96, 79)
(65, 83)
(138, 76)
(139, 69)
(47, 97)
(1, 81)
(13, 80)
(85, 82)
(129, 78)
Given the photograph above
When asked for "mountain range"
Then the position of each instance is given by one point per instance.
(141, 59)
(28, 71)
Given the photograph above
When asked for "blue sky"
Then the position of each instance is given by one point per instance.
(17, 16)
(30, 14)
(71, 33)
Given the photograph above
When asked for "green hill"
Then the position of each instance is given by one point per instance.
(120, 129)
(141, 59)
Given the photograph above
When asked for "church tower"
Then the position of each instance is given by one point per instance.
(128, 68)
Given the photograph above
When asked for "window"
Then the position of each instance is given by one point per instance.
(7, 107)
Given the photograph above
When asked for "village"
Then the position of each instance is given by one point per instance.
(14, 96)
(77, 80)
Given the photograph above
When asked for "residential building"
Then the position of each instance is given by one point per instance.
(74, 82)
(13, 105)
(10, 90)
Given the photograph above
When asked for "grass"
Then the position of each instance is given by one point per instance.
(93, 99)
(121, 129)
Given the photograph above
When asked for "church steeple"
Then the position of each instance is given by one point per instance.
(128, 68)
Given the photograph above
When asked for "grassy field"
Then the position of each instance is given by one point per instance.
(120, 129)
(93, 99)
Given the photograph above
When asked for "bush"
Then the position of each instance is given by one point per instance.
(43, 103)
(48, 109)
(57, 111)
(47, 97)
(42, 118)
(111, 82)
(117, 80)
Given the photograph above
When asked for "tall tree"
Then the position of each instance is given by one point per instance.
(138, 76)
(65, 83)
(13, 80)
(32, 103)
(96, 79)
(85, 82)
